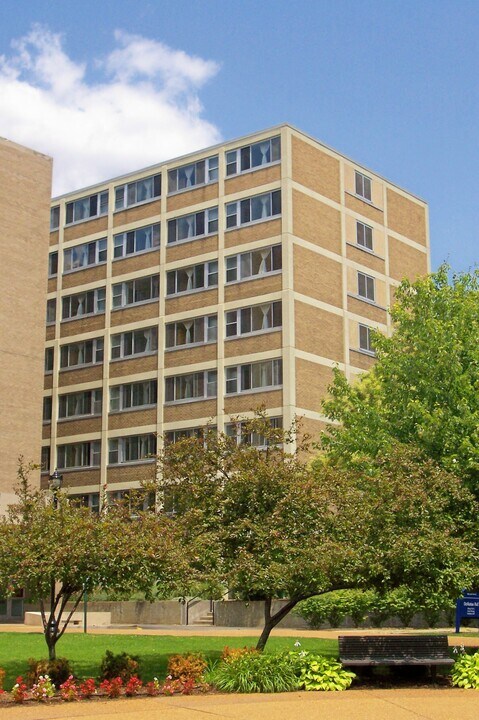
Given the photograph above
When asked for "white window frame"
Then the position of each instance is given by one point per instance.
(47, 410)
(172, 436)
(89, 500)
(97, 347)
(209, 221)
(117, 449)
(363, 186)
(96, 298)
(54, 218)
(120, 292)
(174, 384)
(237, 265)
(121, 343)
(122, 241)
(191, 171)
(122, 397)
(364, 236)
(84, 251)
(48, 361)
(126, 195)
(190, 325)
(366, 287)
(236, 381)
(239, 322)
(51, 315)
(210, 278)
(65, 402)
(89, 454)
(240, 212)
(236, 430)
(364, 333)
(76, 207)
(235, 159)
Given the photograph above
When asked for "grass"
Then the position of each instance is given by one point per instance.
(86, 651)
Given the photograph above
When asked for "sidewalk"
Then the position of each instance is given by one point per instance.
(415, 704)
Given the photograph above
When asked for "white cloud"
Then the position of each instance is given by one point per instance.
(143, 109)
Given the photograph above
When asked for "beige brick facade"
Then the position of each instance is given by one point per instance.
(25, 177)
(314, 275)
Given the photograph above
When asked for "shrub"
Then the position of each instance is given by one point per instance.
(43, 689)
(401, 602)
(122, 666)
(230, 653)
(320, 673)
(58, 670)
(191, 666)
(69, 690)
(19, 691)
(465, 671)
(335, 606)
(256, 672)
(2, 679)
(153, 688)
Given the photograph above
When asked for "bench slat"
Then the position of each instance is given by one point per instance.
(394, 650)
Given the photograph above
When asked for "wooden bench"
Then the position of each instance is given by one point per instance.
(398, 650)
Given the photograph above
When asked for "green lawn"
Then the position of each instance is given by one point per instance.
(86, 651)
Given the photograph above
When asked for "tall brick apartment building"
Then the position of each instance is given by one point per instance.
(198, 289)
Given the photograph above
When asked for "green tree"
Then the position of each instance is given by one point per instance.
(266, 525)
(423, 388)
(57, 550)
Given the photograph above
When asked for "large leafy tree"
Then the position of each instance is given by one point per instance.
(56, 550)
(267, 525)
(424, 386)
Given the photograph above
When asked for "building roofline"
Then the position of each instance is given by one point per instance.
(25, 148)
(240, 140)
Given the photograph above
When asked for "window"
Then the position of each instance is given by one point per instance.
(136, 291)
(47, 409)
(194, 386)
(76, 455)
(258, 318)
(197, 277)
(364, 236)
(48, 359)
(131, 449)
(136, 192)
(254, 376)
(172, 436)
(86, 303)
(52, 264)
(89, 500)
(136, 241)
(133, 395)
(192, 226)
(239, 431)
(257, 208)
(51, 311)
(55, 217)
(85, 255)
(137, 342)
(253, 264)
(199, 173)
(87, 207)
(365, 339)
(365, 286)
(253, 156)
(80, 404)
(45, 459)
(363, 186)
(192, 332)
(87, 352)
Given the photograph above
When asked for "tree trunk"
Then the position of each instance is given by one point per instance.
(270, 621)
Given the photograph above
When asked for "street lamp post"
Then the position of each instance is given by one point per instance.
(55, 485)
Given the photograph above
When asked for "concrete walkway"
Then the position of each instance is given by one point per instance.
(416, 704)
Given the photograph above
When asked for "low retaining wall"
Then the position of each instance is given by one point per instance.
(239, 613)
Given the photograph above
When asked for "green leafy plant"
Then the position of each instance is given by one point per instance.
(120, 665)
(335, 606)
(320, 673)
(43, 689)
(256, 672)
(465, 671)
(58, 670)
(69, 690)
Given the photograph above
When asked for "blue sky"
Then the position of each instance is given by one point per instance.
(109, 86)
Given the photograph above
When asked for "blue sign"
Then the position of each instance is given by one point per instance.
(466, 607)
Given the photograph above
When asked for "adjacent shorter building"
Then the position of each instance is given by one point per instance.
(26, 184)
(201, 288)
